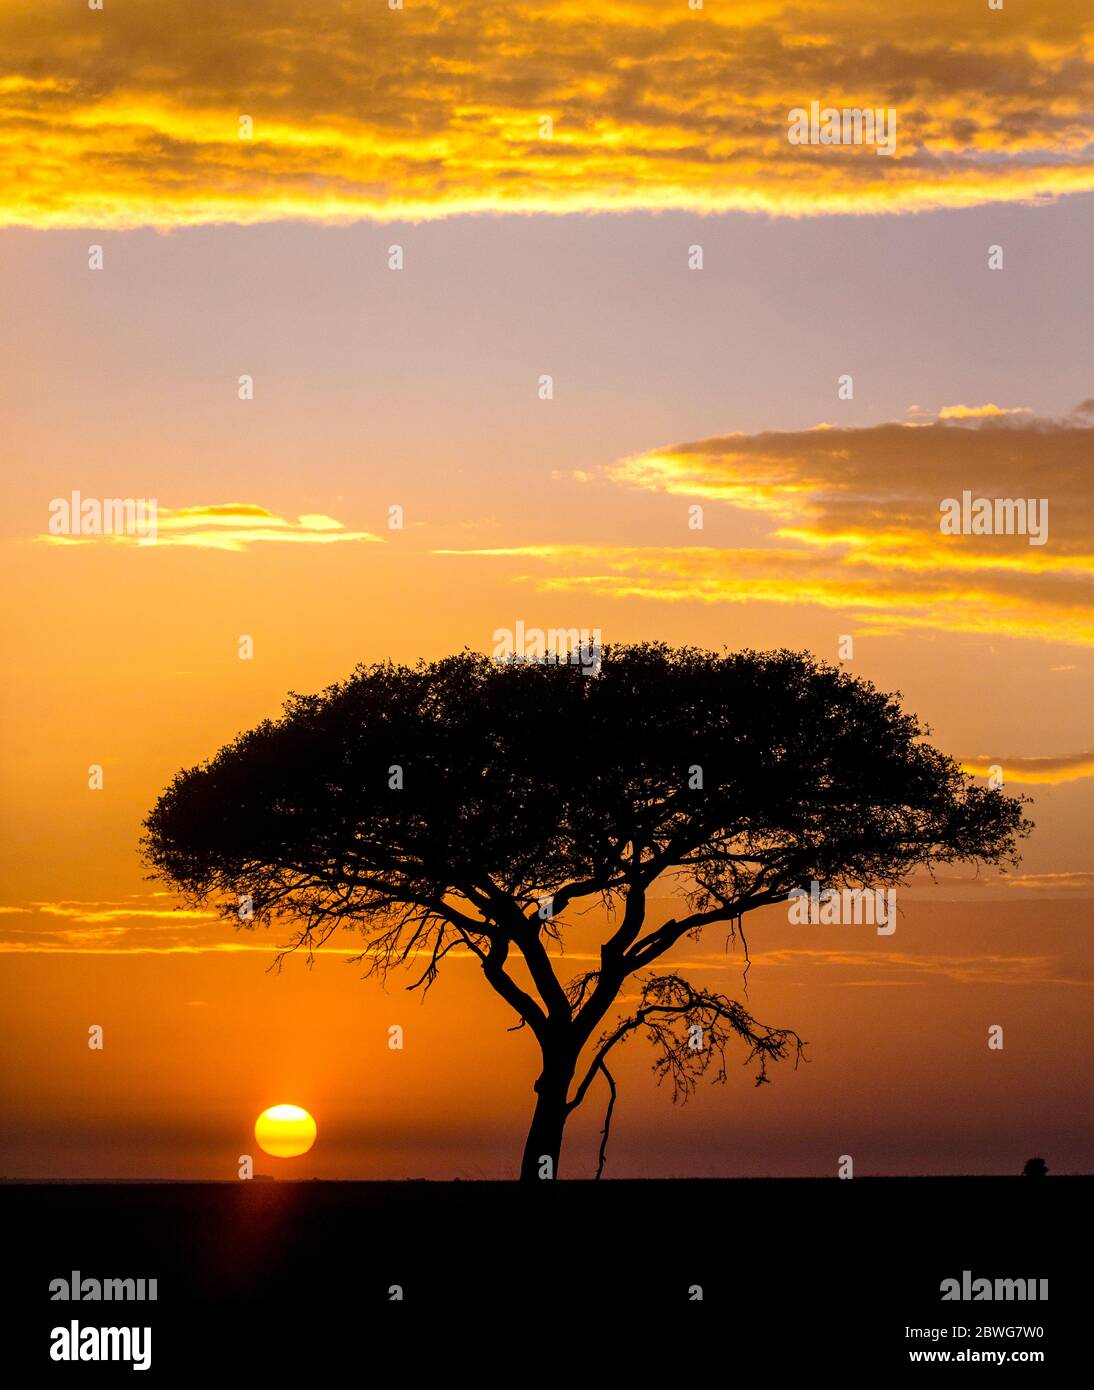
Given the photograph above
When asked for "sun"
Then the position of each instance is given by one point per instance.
(285, 1131)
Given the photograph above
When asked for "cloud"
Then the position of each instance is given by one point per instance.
(1076, 881)
(227, 526)
(1069, 767)
(894, 967)
(141, 924)
(1046, 886)
(100, 913)
(131, 116)
(848, 519)
(145, 924)
(980, 412)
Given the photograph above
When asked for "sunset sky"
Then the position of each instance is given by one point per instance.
(524, 256)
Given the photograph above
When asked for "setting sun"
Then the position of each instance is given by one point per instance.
(285, 1131)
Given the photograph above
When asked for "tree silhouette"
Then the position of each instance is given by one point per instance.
(471, 804)
(1035, 1168)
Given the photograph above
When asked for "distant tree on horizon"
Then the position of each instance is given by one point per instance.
(469, 804)
(1035, 1168)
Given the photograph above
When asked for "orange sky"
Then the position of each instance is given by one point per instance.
(418, 388)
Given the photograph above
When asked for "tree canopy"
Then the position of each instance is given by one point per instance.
(468, 803)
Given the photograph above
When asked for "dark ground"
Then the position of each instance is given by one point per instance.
(820, 1276)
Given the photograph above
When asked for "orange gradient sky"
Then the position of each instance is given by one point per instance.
(375, 388)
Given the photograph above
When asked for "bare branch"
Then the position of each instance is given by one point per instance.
(692, 1029)
(607, 1120)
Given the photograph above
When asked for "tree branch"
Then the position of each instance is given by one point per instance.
(668, 1001)
(607, 1120)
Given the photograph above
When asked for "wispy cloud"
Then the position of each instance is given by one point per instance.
(231, 526)
(1046, 886)
(140, 924)
(980, 412)
(107, 914)
(145, 924)
(895, 967)
(1075, 881)
(1067, 767)
(852, 523)
(131, 116)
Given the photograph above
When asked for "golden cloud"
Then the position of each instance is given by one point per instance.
(853, 523)
(226, 526)
(132, 115)
(140, 925)
(1046, 771)
(108, 913)
(980, 412)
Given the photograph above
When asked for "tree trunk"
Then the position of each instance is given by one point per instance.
(548, 1121)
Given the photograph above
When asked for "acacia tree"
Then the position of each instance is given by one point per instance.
(475, 805)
